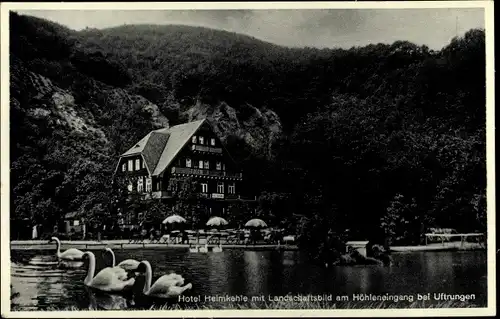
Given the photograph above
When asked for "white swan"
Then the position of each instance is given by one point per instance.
(120, 272)
(128, 264)
(167, 286)
(194, 249)
(217, 249)
(70, 254)
(204, 249)
(107, 279)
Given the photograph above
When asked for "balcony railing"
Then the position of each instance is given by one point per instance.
(205, 172)
(221, 196)
(227, 196)
(158, 194)
(202, 148)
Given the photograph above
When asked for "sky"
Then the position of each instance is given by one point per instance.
(322, 28)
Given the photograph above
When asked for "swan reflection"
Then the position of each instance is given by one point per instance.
(104, 301)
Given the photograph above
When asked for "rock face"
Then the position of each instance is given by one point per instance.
(51, 103)
(58, 106)
(259, 129)
(118, 95)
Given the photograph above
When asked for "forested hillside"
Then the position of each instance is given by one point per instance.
(383, 140)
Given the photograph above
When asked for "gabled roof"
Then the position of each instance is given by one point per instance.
(154, 148)
(179, 136)
(160, 147)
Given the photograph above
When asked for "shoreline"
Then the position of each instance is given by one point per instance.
(124, 244)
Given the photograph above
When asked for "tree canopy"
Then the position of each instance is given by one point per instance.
(386, 139)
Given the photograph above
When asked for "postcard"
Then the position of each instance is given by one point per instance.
(248, 159)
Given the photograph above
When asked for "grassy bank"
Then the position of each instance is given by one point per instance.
(301, 305)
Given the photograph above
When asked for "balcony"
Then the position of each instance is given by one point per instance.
(229, 197)
(205, 172)
(208, 149)
(159, 194)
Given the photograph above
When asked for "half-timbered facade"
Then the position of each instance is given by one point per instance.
(190, 150)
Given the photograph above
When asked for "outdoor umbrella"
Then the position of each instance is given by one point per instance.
(256, 223)
(174, 219)
(217, 221)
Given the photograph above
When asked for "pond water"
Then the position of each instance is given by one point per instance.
(41, 285)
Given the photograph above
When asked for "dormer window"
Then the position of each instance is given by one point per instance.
(212, 141)
(201, 140)
(188, 162)
(124, 167)
(194, 139)
(143, 164)
(130, 165)
(137, 164)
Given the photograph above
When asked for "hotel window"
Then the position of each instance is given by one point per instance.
(148, 184)
(124, 167)
(137, 164)
(204, 187)
(220, 187)
(140, 185)
(218, 166)
(201, 140)
(194, 139)
(212, 141)
(188, 162)
(130, 165)
(200, 164)
(231, 189)
(206, 165)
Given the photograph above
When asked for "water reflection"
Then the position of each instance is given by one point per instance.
(104, 301)
(256, 271)
(41, 284)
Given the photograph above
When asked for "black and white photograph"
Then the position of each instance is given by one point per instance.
(191, 158)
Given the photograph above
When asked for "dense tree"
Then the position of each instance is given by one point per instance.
(384, 140)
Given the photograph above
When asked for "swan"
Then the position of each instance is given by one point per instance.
(128, 264)
(217, 249)
(203, 249)
(194, 250)
(120, 272)
(69, 254)
(107, 279)
(167, 286)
